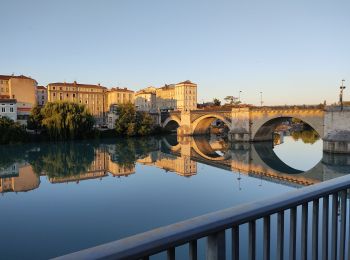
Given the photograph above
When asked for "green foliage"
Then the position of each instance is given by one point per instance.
(62, 159)
(63, 120)
(131, 122)
(216, 102)
(35, 119)
(307, 136)
(11, 132)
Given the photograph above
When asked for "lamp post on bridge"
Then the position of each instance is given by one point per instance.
(261, 101)
(342, 87)
(239, 96)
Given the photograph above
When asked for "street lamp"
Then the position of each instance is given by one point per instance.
(342, 87)
(239, 96)
(261, 101)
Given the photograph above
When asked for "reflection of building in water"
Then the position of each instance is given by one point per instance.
(182, 165)
(102, 164)
(18, 177)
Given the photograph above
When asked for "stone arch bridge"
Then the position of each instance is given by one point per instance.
(245, 124)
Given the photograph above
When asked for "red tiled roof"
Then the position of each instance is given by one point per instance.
(121, 90)
(186, 82)
(41, 87)
(5, 77)
(75, 84)
(7, 100)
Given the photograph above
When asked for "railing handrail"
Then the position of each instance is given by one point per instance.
(160, 239)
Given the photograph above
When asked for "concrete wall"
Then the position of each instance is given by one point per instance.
(334, 119)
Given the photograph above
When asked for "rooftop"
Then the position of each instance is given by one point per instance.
(188, 82)
(7, 77)
(75, 84)
(121, 90)
(7, 100)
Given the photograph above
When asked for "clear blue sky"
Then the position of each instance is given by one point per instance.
(293, 51)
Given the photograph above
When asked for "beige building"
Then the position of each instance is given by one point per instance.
(21, 88)
(93, 96)
(119, 96)
(166, 99)
(145, 100)
(186, 96)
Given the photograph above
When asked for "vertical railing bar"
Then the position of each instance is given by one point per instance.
(193, 250)
(315, 217)
(216, 246)
(235, 243)
(304, 219)
(252, 240)
(171, 253)
(325, 224)
(293, 227)
(280, 235)
(266, 238)
(334, 236)
(342, 224)
(348, 245)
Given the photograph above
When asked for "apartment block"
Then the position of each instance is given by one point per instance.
(93, 96)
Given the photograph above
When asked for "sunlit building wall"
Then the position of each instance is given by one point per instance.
(93, 96)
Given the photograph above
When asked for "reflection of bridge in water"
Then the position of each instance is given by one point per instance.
(174, 154)
(255, 160)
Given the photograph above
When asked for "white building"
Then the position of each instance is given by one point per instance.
(8, 108)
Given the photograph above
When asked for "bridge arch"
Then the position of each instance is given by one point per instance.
(171, 123)
(204, 149)
(262, 130)
(202, 124)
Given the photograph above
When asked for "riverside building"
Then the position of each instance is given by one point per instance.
(97, 98)
(93, 96)
(181, 96)
(23, 90)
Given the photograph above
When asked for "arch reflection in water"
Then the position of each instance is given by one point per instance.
(22, 166)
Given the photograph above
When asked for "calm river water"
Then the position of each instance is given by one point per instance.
(62, 197)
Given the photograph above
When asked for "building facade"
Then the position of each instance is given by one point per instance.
(145, 100)
(166, 99)
(23, 90)
(117, 96)
(8, 108)
(93, 96)
(41, 95)
(180, 96)
(186, 96)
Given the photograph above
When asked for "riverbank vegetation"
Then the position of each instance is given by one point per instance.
(62, 121)
(131, 122)
(11, 132)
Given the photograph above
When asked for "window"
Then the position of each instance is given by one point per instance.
(3, 109)
(11, 109)
(13, 96)
(54, 94)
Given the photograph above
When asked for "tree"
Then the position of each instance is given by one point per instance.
(35, 118)
(11, 132)
(216, 102)
(231, 100)
(67, 120)
(131, 122)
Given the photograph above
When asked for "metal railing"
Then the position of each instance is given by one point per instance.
(329, 196)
